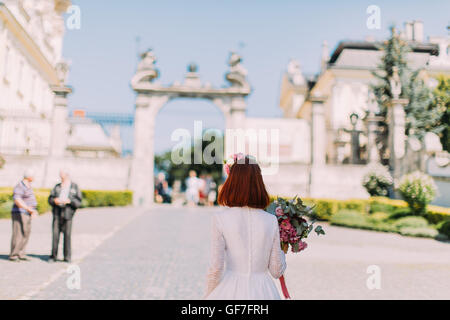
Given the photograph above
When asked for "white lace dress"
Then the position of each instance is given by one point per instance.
(245, 251)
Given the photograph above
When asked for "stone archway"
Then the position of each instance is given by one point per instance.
(151, 96)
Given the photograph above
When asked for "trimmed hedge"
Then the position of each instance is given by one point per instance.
(411, 222)
(437, 214)
(324, 209)
(425, 232)
(96, 198)
(382, 214)
(444, 228)
(358, 220)
(409, 226)
(91, 198)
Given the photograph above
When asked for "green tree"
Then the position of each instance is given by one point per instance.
(180, 172)
(441, 100)
(421, 115)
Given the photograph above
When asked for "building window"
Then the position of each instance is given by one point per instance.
(33, 89)
(20, 76)
(6, 62)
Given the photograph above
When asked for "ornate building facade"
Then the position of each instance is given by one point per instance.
(31, 37)
(344, 83)
(35, 128)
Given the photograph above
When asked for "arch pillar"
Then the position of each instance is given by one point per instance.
(142, 172)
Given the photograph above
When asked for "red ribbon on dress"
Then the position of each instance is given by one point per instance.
(284, 288)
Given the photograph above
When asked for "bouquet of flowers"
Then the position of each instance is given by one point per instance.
(296, 221)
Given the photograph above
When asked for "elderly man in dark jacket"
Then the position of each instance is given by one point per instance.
(65, 199)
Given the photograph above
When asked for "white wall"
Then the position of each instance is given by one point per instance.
(26, 100)
(338, 181)
(294, 137)
(100, 174)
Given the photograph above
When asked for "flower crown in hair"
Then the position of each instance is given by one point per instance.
(235, 158)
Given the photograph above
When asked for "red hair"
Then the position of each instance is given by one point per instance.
(244, 186)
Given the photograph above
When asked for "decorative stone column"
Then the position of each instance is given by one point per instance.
(142, 173)
(237, 112)
(60, 113)
(318, 130)
(396, 119)
(373, 155)
(60, 126)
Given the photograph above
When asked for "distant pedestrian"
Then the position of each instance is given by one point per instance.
(65, 199)
(211, 190)
(162, 189)
(192, 188)
(24, 208)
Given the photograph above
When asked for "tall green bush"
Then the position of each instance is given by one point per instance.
(91, 198)
(418, 189)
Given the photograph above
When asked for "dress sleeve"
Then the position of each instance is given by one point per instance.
(217, 257)
(277, 261)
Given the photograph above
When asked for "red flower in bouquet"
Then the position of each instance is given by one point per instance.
(293, 226)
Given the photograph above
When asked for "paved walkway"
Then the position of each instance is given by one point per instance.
(163, 254)
(90, 228)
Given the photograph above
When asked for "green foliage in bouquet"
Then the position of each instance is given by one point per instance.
(418, 190)
(296, 221)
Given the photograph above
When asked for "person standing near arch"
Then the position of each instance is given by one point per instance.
(65, 199)
(192, 188)
(23, 210)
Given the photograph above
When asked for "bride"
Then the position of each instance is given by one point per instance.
(245, 238)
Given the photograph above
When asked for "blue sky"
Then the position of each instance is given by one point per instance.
(104, 51)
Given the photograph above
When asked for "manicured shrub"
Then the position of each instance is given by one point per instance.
(437, 214)
(5, 195)
(377, 217)
(377, 181)
(444, 228)
(6, 201)
(324, 209)
(91, 198)
(42, 202)
(425, 232)
(411, 222)
(353, 204)
(96, 198)
(418, 190)
(354, 219)
(385, 204)
(5, 209)
(349, 218)
(400, 213)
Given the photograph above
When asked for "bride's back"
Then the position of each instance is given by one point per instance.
(245, 240)
(249, 235)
